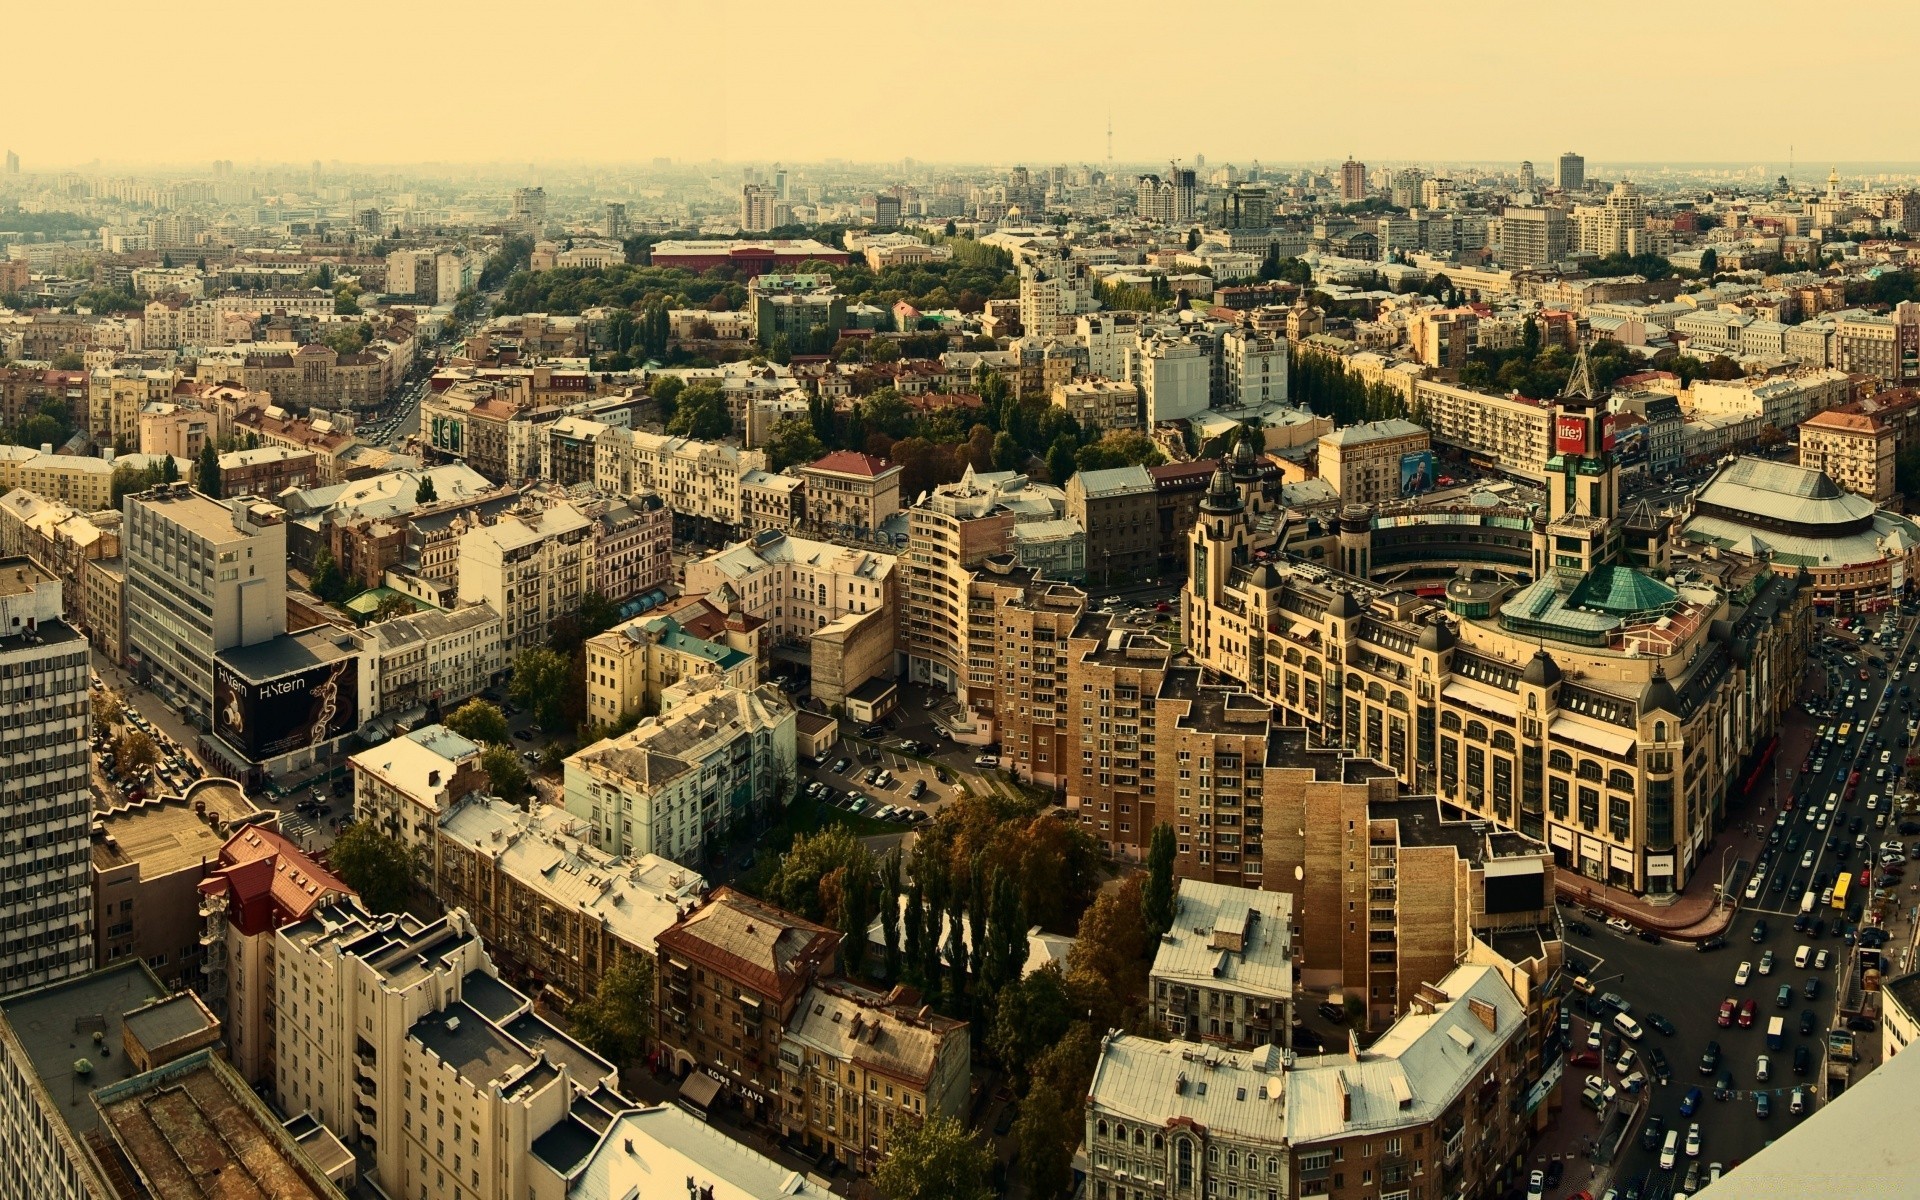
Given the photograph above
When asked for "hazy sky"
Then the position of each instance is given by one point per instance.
(483, 81)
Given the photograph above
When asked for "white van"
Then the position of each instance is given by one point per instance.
(1628, 1027)
(1801, 956)
(1670, 1150)
(1806, 903)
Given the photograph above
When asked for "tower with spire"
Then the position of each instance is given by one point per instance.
(1581, 530)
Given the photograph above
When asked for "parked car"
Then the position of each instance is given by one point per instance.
(1689, 1104)
(1710, 1058)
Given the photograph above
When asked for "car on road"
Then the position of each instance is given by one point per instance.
(1624, 1063)
(1693, 1140)
(1710, 1058)
(1716, 942)
(1862, 1024)
(1619, 925)
(1332, 1012)
(1723, 1086)
(1759, 931)
(1762, 1068)
(1802, 1059)
(1606, 1091)
(1660, 1024)
(1584, 1058)
(522, 735)
(918, 789)
(1537, 1185)
(1766, 963)
(1741, 976)
(1812, 989)
(1670, 1150)
(1798, 1101)
(1728, 1008)
(1656, 1128)
(1657, 1063)
(986, 760)
(1784, 997)
(1762, 1105)
(1747, 1013)
(1690, 1103)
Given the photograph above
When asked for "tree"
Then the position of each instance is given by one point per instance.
(169, 469)
(1007, 453)
(950, 230)
(381, 869)
(479, 721)
(1107, 967)
(913, 950)
(1047, 1131)
(890, 913)
(328, 582)
(616, 1022)
(1193, 239)
(1157, 897)
(936, 1160)
(1061, 463)
(505, 775)
(801, 880)
(792, 442)
(1123, 448)
(1029, 1016)
(207, 475)
(859, 890)
(106, 714)
(1709, 261)
(540, 680)
(67, 360)
(393, 604)
(134, 752)
(346, 303)
(701, 412)
(426, 493)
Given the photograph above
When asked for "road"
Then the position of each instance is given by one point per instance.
(1687, 987)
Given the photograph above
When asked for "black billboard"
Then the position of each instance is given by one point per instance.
(272, 717)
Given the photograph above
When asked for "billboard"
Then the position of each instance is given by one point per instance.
(264, 718)
(1606, 432)
(1417, 473)
(1569, 435)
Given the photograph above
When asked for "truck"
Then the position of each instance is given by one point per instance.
(1776, 1033)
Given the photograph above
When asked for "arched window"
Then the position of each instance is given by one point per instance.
(1183, 1162)
(1477, 731)
(1502, 740)
(1376, 693)
(1659, 731)
(1589, 769)
(1620, 781)
(1139, 1137)
(1449, 720)
(1397, 702)
(1120, 1131)
(1100, 1127)
(1560, 760)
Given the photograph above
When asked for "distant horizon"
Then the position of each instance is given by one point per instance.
(594, 84)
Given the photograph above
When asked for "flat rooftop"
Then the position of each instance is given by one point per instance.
(287, 654)
(55, 1025)
(193, 512)
(164, 834)
(19, 576)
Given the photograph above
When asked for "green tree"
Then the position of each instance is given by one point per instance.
(950, 230)
(207, 476)
(801, 883)
(381, 869)
(1047, 1131)
(1157, 897)
(936, 1160)
(393, 604)
(1124, 448)
(505, 775)
(1107, 967)
(701, 412)
(792, 442)
(328, 582)
(67, 360)
(617, 1020)
(346, 303)
(1709, 261)
(426, 493)
(890, 913)
(479, 721)
(540, 680)
(169, 469)
(1061, 462)
(859, 896)
(1029, 1016)
(134, 752)
(1193, 239)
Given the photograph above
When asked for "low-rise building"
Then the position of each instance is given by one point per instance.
(1377, 461)
(798, 585)
(1102, 404)
(677, 783)
(1854, 450)
(404, 786)
(434, 656)
(1224, 973)
(731, 977)
(849, 491)
(856, 1065)
(268, 471)
(630, 665)
(555, 912)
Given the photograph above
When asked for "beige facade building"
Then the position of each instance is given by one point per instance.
(1015, 692)
(632, 664)
(1363, 462)
(174, 429)
(1223, 974)
(1854, 450)
(448, 656)
(699, 481)
(849, 490)
(798, 585)
(1101, 404)
(405, 785)
(60, 541)
(531, 566)
(857, 1065)
(1511, 434)
(80, 482)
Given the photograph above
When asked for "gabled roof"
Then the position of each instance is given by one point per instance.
(852, 462)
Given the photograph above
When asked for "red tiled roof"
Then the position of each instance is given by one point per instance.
(852, 462)
(269, 881)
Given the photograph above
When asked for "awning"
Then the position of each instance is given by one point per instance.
(1599, 737)
(1480, 698)
(699, 1089)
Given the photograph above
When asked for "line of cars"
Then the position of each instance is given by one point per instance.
(172, 768)
(859, 803)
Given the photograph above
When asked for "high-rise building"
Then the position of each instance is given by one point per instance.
(1533, 237)
(203, 576)
(44, 788)
(1353, 180)
(756, 208)
(530, 209)
(1570, 175)
(1526, 176)
(617, 225)
(1617, 225)
(13, 163)
(1248, 206)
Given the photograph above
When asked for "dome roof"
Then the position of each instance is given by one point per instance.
(1542, 671)
(1344, 606)
(1222, 496)
(1660, 696)
(1264, 576)
(1437, 636)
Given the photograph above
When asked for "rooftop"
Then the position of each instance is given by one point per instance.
(854, 1024)
(647, 1152)
(197, 514)
(164, 834)
(408, 764)
(769, 948)
(1229, 938)
(1236, 1096)
(288, 653)
(1119, 481)
(1372, 431)
(472, 1045)
(55, 1025)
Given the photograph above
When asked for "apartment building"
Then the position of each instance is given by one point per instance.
(1511, 434)
(850, 491)
(61, 542)
(1256, 369)
(856, 1065)
(267, 471)
(44, 783)
(318, 376)
(202, 576)
(257, 882)
(398, 1033)
(433, 655)
(148, 859)
(1119, 509)
(1175, 377)
(631, 546)
(793, 306)
(468, 420)
(80, 482)
(1443, 337)
(174, 429)
(405, 785)
(1885, 347)
(797, 585)
(274, 425)
(531, 566)
(1223, 974)
(731, 978)
(1854, 450)
(698, 481)
(632, 664)
(1101, 404)
(1017, 627)
(769, 501)
(556, 913)
(676, 783)
(1438, 1098)
(1367, 464)
(1532, 237)
(106, 583)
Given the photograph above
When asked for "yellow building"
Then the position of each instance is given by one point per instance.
(629, 665)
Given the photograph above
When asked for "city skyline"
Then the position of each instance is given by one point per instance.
(510, 108)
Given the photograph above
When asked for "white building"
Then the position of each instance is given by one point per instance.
(404, 786)
(699, 481)
(1224, 973)
(1175, 378)
(435, 655)
(683, 778)
(1108, 341)
(794, 584)
(531, 566)
(1256, 369)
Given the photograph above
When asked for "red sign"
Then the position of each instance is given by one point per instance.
(1570, 435)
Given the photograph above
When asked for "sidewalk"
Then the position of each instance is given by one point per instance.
(1695, 914)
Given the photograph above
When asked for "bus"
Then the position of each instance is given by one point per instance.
(1840, 886)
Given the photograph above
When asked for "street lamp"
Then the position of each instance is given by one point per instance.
(1723, 873)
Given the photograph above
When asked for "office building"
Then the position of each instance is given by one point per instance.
(1256, 370)
(45, 785)
(554, 911)
(405, 785)
(149, 857)
(529, 210)
(1224, 973)
(1570, 173)
(616, 224)
(1377, 462)
(202, 576)
(1174, 377)
(1511, 434)
(1532, 237)
(677, 783)
(856, 1065)
(731, 977)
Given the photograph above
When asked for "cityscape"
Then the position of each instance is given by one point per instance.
(1143, 652)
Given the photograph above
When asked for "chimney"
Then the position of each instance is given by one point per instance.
(433, 778)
